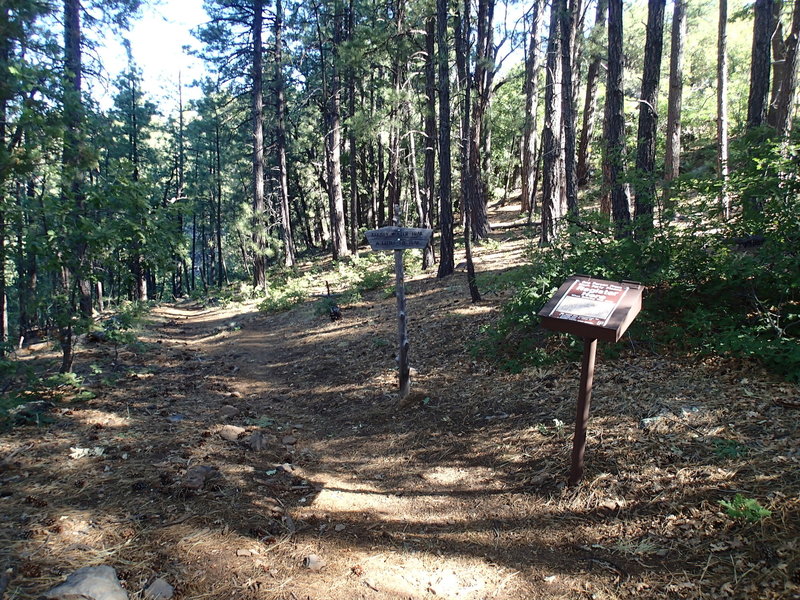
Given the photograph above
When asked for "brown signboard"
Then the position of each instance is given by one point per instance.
(593, 308)
(398, 238)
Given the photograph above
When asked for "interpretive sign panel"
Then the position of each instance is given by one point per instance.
(398, 238)
(593, 308)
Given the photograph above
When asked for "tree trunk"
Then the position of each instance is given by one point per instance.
(446, 263)
(553, 192)
(280, 141)
(567, 26)
(722, 107)
(590, 103)
(351, 93)
(5, 96)
(221, 275)
(429, 173)
(785, 83)
(72, 191)
(672, 156)
(259, 243)
(615, 98)
(758, 96)
(648, 119)
(529, 141)
(475, 183)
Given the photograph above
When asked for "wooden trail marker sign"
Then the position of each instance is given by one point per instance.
(592, 309)
(399, 239)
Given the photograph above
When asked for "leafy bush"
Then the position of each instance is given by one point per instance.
(742, 507)
(280, 296)
(712, 288)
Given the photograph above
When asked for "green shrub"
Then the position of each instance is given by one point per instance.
(744, 508)
(711, 287)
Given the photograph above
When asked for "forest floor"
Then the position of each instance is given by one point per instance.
(321, 486)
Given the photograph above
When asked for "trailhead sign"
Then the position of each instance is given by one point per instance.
(592, 309)
(399, 239)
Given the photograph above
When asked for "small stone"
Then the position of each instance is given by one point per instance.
(159, 590)
(175, 418)
(243, 552)
(197, 476)
(259, 440)
(228, 411)
(339, 527)
(231, 432)
(89, 583)
(289, 440)
(235, 394)
(313, 562)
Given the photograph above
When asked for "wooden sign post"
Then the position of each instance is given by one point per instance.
(399, 239)
(593, 309)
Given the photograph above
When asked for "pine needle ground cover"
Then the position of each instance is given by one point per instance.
(323, 487)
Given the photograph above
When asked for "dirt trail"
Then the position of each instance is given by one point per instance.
(460, 495)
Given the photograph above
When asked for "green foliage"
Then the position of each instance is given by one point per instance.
(744, 508)
(730, 290)
(283, 295)
(729, 448)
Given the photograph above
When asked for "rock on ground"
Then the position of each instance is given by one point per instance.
(159, 590)
(91, 583)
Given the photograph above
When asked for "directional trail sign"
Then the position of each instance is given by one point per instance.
(398, 238)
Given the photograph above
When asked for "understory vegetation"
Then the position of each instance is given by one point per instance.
(714, 287)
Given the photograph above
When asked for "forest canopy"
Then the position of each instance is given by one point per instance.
(648, 141)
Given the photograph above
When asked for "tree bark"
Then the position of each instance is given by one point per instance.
(758, 96)
(73, 279)
(476, 180)
(648, 119)
(5, 96)
(446, 249)
(529, 141)
(567, 26)
(280, 141)
(553, 192)
(785, 83)
(429, 172)
(615, 98)
(672, 156)
(722, 107)
(259, 243)
(590, 103)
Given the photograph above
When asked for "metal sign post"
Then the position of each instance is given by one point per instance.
(592, 309)
(399, 239)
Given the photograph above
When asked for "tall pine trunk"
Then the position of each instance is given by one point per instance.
(615, 132)
(280, 141)
(758, 96)
(672, 155)
(553, 192)
(259, 243)
(5, 96)
(446, 262)
(74, 281)
(590, 103)
(529, 141)
(785, 83)
(429, 172)
(568, 45)
(722, 107)
(648, 119)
